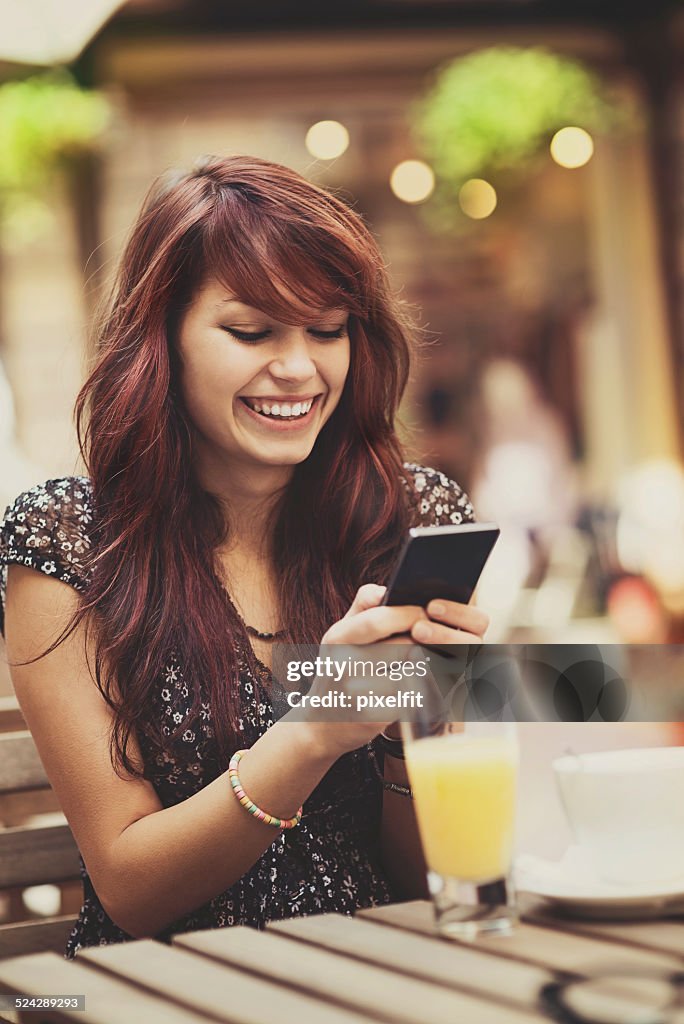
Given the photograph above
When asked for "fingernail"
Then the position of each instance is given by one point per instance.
(422, 631)
(436, 608)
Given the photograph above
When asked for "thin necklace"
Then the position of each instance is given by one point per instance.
(260, 635)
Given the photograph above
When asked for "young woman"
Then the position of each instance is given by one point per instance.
(245, 485)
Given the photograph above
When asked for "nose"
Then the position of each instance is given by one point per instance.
(293, 362)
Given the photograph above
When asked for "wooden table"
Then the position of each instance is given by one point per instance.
(385, 964)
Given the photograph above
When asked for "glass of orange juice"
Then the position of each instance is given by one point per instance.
(464, 781)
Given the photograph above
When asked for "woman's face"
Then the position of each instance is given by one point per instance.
(259, 391)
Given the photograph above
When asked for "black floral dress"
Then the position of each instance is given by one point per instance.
(331, 862)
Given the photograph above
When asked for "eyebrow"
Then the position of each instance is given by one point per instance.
(236, 302)
(260, 312)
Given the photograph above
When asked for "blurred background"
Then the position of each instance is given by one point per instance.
(522, 165)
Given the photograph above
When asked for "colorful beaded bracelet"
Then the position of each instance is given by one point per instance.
(249, 805)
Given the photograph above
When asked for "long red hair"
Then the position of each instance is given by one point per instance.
(285, 246)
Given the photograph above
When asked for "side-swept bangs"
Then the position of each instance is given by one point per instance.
(289, 259)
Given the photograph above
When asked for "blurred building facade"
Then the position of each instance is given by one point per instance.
(576, 277)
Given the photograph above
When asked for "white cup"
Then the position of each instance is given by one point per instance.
(626, 809)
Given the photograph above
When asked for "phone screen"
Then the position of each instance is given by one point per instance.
(441, 562)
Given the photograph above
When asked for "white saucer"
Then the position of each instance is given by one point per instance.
(571, 883)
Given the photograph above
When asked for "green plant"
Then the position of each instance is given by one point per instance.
(45, 121)
(494, 109)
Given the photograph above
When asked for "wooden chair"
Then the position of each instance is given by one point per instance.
(11, 718)
(32, 853)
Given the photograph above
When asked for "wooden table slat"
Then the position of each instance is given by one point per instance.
(444, 963)
(662, 936)
(108, 1001)
(387, 964)
(530, 943)
(374, 991)
(225, 993)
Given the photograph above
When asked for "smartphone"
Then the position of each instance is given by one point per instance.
(441, 562)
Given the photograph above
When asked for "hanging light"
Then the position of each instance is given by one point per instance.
(572, 147)
(327, 140)
(477, 198)
(412, 181)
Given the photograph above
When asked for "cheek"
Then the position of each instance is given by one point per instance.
(201, 386)
(338, 366)
(212, 377)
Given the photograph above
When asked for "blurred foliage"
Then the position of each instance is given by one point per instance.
(495, 109)
(46, 122)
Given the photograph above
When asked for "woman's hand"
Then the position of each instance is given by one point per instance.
(451, 623)
(367, 622)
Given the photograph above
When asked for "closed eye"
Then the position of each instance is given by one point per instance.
(249, 336)
(338, 332)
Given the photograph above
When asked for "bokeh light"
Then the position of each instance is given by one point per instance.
(650, 527)
(327, 140)
(477, 198)
(572, 147)
(412, 181)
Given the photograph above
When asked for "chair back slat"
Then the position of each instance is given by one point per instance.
(11, 718)
(37, 855)
(20, 764)
(42, 851)
(35, 936)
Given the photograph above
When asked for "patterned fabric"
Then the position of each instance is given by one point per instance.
(331, 862)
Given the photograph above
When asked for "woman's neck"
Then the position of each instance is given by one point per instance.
(249, 496)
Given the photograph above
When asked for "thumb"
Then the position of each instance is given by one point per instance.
(368, 596)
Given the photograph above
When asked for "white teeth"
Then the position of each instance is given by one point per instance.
(286, 409)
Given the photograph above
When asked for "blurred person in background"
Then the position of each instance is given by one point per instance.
(524, 470)
(245, 485)
(524, 479)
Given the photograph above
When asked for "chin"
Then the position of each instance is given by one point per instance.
(292, 458)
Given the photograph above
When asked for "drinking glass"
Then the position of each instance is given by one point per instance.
(464, 782)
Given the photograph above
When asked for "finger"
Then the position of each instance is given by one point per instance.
(460, 616)
(404, 639)
(374, 624)
(434, 633)
(368, 596)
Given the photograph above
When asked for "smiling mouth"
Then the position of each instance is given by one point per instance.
(281, 411)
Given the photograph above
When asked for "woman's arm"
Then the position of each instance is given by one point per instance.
(149, 865)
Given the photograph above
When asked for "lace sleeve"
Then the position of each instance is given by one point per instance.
(46, 529)
(436, 500)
